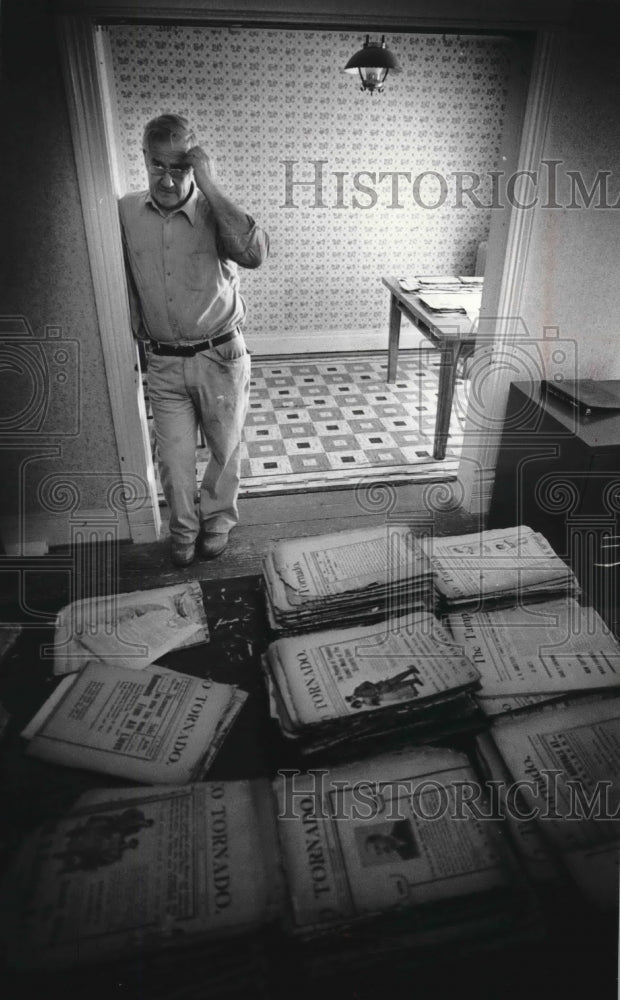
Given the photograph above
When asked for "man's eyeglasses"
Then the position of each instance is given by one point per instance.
(175, 172)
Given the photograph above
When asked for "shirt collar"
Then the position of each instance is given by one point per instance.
(189, 208)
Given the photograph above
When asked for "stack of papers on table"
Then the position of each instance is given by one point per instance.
(442, 303)
(362, 575)
(402, 680)
(441, 283)
(504, 566)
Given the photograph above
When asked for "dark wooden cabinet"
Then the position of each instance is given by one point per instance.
(558, 471)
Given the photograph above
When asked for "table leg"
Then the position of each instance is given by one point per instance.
(447, 380)
(394, 339)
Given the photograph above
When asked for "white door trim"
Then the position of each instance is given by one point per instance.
(501, 305)
(82, 67)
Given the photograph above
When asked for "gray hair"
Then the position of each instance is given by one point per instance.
(168, 128)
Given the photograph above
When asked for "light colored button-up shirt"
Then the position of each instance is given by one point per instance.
(182, 271)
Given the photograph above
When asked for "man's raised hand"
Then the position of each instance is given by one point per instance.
(203, 166)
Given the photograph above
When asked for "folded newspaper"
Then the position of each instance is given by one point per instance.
(153, 725)
(566, 761)
(129, 630)
(504, 566)
(403, 677)
(365, 853)
(538, 652)
(361, 575)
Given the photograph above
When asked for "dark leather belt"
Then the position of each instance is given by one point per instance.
(188, 350)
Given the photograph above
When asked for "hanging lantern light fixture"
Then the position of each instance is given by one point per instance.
(373, 62)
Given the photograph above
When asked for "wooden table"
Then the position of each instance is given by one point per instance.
(451, 333)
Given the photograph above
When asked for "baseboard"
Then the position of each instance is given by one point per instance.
(332, 341)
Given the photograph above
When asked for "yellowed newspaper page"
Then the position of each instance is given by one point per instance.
(154, 869)
(547, 647)
(149, 725)
(129, 630)
(331, 674)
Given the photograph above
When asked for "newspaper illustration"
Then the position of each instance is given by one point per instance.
(498, 563)
(129, 630)
(340, 672)
(153, 725)
(551, 647)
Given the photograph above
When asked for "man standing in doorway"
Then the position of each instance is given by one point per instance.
(183, 239)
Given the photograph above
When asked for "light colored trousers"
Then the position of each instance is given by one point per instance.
(212, 389)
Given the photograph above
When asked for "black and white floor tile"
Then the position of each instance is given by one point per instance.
(332, 420)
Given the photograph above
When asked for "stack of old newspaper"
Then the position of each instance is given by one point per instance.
(536, 653)
(361, 575)
(500, 567)
(374, 857)
(563, 762)
(402, 679)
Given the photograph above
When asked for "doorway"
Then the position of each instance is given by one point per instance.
(82, 45)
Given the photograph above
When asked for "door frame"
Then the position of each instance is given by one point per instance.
(501, 329)
(85, 82)
(84, 67)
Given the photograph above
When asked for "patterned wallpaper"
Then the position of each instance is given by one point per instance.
(259, 97)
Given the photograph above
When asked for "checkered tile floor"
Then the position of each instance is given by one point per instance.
(316, 421)
(335, 419)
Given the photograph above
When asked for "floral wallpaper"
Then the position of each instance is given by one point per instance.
(349, 186)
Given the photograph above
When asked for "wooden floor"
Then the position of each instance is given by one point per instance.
(65, 576)
(263, 519)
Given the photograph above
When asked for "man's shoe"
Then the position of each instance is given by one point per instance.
(182, 555)
(211, 544)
